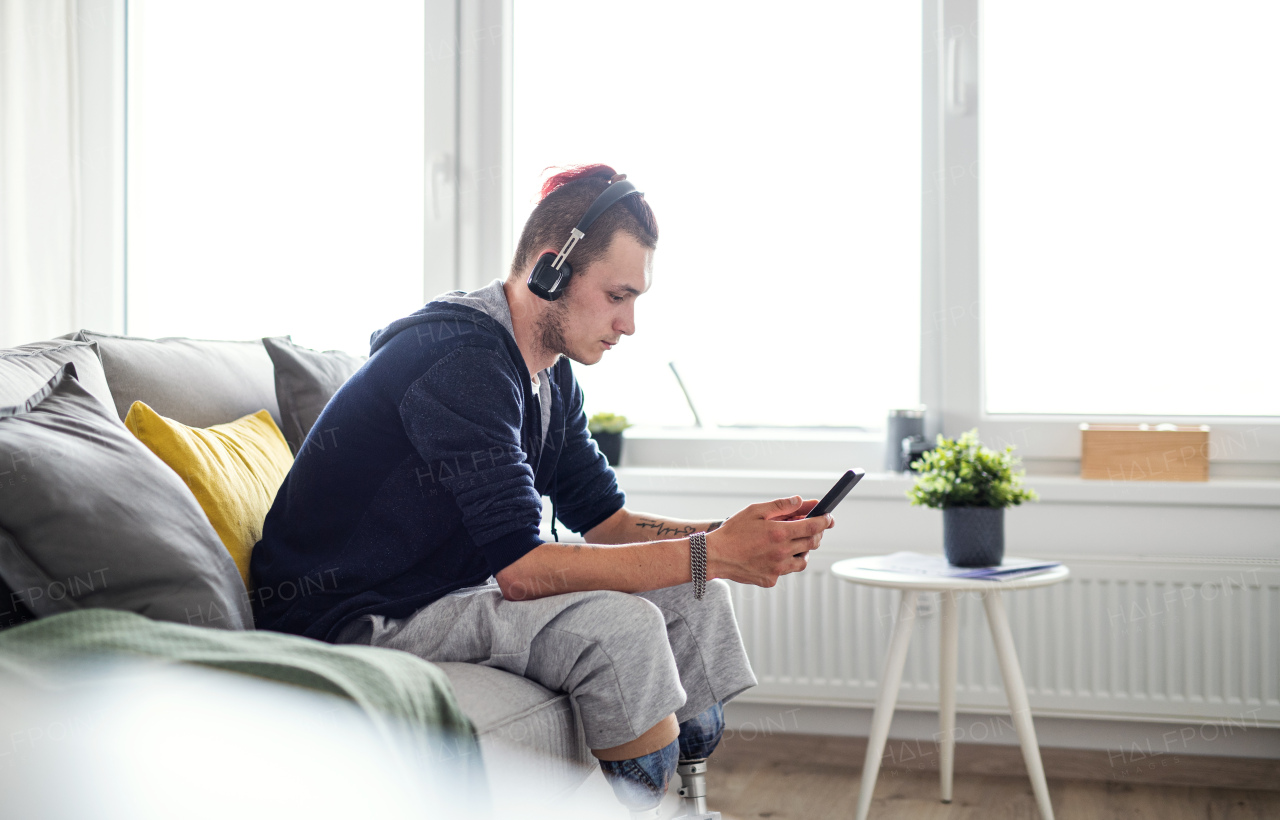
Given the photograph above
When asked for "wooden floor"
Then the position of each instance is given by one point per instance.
(806, 777)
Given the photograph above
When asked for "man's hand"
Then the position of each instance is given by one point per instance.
(765, 541)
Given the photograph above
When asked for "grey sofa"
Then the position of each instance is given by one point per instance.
(201, 383)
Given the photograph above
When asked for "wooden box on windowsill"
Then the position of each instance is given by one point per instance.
(1144, 452)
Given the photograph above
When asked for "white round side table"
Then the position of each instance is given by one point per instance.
(856, 570)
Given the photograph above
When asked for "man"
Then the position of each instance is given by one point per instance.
(422, 505)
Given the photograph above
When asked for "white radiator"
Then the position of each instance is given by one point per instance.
(1182, 641)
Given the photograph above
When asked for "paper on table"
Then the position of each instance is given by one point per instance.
(936, 566)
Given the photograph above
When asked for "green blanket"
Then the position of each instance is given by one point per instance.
(394, 689)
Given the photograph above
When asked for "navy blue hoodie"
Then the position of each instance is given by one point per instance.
(425, 474)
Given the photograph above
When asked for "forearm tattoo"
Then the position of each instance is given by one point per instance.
(668, 529)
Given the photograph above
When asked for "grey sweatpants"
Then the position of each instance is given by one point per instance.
(627, 661)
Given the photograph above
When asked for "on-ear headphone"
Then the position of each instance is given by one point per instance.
(550, 277)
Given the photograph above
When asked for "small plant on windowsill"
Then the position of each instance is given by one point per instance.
(606, 429)
(972, 485)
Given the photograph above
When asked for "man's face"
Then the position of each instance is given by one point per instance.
(599, 307)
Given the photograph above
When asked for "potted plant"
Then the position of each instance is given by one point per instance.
(606, 429)
(972, 485)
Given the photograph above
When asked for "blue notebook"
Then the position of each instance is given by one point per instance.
(936, 566)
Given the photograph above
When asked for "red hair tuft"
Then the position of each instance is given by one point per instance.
(574, 173)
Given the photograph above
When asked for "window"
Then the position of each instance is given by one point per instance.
(275, 168)
(780, 150)
(1129, 218)
(1103, 250)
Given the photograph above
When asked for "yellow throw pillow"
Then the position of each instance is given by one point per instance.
(233, 470)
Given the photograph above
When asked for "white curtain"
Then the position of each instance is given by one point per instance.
(41, 199)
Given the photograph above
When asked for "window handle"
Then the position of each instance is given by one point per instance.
(439, 175)
(959, 89)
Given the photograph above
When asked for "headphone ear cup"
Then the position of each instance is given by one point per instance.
(545, 281)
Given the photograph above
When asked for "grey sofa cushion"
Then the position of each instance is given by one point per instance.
(512, 712)
(305, 381)
(27, 368)
(194, 381)
(12, 611)
(89, 517)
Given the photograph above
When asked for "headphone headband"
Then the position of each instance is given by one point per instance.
(615, 192)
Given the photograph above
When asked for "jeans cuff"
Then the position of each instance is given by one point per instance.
(640, 782)
(699, 735)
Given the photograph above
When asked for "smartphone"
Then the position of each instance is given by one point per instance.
(837, 493)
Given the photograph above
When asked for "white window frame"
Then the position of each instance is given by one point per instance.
(469, 59)
(100, 299)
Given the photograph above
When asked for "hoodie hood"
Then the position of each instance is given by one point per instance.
(490, 300)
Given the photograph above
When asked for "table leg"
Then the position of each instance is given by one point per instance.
(1016, 691)
(947, 691)
(890, 681)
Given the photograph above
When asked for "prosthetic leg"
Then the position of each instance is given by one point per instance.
(693, 788)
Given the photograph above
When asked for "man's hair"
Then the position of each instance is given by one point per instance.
(565, 197)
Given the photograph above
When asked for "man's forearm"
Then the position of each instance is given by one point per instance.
(757, 545)
(627, 552)
(553, 568)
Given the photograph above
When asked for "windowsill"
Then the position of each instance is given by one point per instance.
(822, 449)
(882, 486)
(827, 434)
(764, 451)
